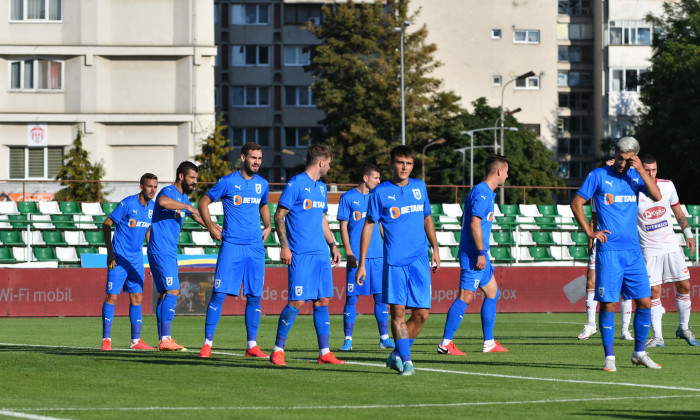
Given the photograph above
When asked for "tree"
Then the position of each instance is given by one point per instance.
(77, 167)
(669, 121)
(214, 158)
(356, 72)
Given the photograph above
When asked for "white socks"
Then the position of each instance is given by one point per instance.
(591, 306)
(683, 305)
(626, 312)
(657, 311)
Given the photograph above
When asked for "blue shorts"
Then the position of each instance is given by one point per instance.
(620, 272)
(407, 285)
(240, 263)
(164, 270)
(310, 277)
(373, 280)
(469, 277)
(128, 275)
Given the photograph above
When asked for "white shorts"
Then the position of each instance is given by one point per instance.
(591, 258)
(667, 268)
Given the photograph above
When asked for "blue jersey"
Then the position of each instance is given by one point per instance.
(352, 208)
(479, 203)
(615, 198)
(131, 221)
(241, 199)
(402, 212)
(165, 230)
(307, 204)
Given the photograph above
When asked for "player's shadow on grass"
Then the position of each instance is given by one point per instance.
(641, 414)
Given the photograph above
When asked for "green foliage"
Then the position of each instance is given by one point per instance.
(669, 123)
(356, 72)
(77, 167)
(214, 159)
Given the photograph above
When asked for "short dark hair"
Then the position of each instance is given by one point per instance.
(249, 147)
(367, 169)
(647, 158)
(493, 161)
(403, 150)
(147, 176)
(316, 153)
(184, 167)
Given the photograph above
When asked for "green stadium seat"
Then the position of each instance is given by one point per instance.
(99, 219)
(6, 256)
(108, 208)
(63, 221)
(588, 211)
(212, 251)
(510, 210)
(94, 237)
(338, 239)
(185, 239)
(503, 237)
(507, 222)
(458, 235)
(436, 209)
(19, 221)
(546, 222)
(189, 224)
(86, 250)
(501, 254)
(271, 240)
(692, 257)
(579, 238)
(540, 253)
(12, 238)
(580, 253)
(693, 209)
(44, 254)
(69, 207)
(28, 207)
(542, 238)
(343, 254)
(54, 238)
(455, 252)
(548, 210)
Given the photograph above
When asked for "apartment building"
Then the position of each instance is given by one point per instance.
(136, 77)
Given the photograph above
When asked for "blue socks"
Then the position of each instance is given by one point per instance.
(488, 315)
(213, 314)
(167, 313)
(454, 318)
(322, 323)
(642, 319)
(159, 305)
(349, 315)
(381, 315)
(606, 321)
(107, 317)
(289, 313)
(252, 317)
(135, 318)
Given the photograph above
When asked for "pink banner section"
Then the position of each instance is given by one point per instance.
(80, 292)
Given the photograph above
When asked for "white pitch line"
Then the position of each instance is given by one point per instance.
(10, 413)
(371, 406)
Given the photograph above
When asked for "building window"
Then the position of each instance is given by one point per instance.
(298, 136)
(298, 96)
(250, 96)
(495, 34)
(574, 79)
(575, 31)
(623, 32)
(620, 128)
(36, 10)
(531, 83)
(526, 36)
(575, 7)
(533, 128)
(250, 14)
(627, 80)
(575, 54)
(576, 170)
(298, 14)
(250, 55)
(36, 75)
(35, 162)
(496, 80)
(259, 135)
(574, 146)
(575, 100)
(574, 124)
(296, 55)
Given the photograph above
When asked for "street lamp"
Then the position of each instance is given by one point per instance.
(495, 124)
(471, 148)
(432, 143)
(293, 153)
(403, 101)
(521, 77)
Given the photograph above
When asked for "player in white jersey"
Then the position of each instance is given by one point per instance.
(664, 259)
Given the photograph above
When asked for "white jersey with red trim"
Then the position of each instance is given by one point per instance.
(654, 220)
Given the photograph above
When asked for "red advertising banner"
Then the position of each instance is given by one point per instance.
(80, 292)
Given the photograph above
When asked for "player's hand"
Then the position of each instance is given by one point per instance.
(112, 261)
(635, 163)
(435, 261)
(601, 235)
(286, 255)
(610, 162)
(360, 275)
(266, 232)
(335, 256)
(215, 232)
(192, 210)
(352, 261)
(480, 262)
(690, 244)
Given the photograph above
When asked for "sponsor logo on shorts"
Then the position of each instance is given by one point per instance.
(298, 290)
(395, 212)
(217, 283)
(656, 226)
(609, 199)
(308, 204)
(655, 212)
(109, 285)
(238, 200)
(351, 287)
(356, 215)
(134, 223)
(601, 291)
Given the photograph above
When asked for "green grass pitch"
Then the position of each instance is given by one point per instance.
(52, 368)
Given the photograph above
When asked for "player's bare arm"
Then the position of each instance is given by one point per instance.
(107, 233)
(432, 238)
(265, 217)
(170, 204)
(683, 223)
(148, 235)
(577, 208)
(365, 240)
(330, 240)
(352, 260)
(286, 253)
(594, 226)
(214, 230)
(652, 188)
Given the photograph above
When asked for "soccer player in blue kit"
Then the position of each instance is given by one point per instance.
(131, 219)
(476, 270)
(242, 254)
(620, 266)
(352, 211)
(172, 206)
(305, 237)
(401, 205)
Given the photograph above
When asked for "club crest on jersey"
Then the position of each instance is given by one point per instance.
(150, 214)
(298, 290)
(655, 212)
(394, 212)
(416, 193)
(323, 191)
(258, 188)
